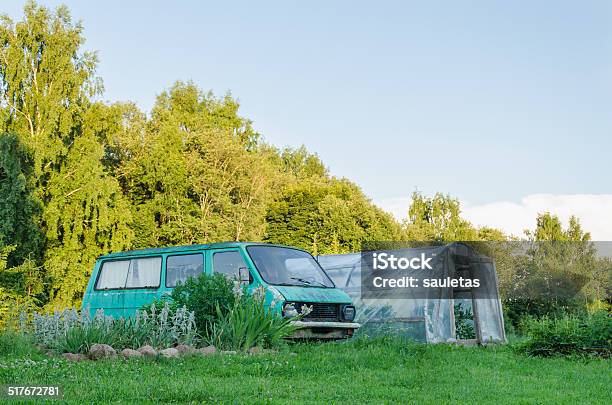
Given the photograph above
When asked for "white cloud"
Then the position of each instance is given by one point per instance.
(593, 210)
(398, 207)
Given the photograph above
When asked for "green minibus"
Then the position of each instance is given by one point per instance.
(122, 283)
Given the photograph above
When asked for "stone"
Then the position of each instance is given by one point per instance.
(169, 353)
(129, 353)
(100, 351)
(74, 357)
(255, 350)
(208, 350)
(147, 351)
(184, 349)
(230, 352)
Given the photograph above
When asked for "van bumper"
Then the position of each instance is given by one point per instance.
(324, 330)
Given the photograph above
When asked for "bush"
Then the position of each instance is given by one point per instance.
(248, 324)
(516, 309)
(163, 328)
(568, 336)
(207, 297)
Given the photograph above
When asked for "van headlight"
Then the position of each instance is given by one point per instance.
(289, 310)
(348, 313)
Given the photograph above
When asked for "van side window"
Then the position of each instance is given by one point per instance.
(144, 272)
(131, 273)
(228, 263)
(180, 268)
(113, 274)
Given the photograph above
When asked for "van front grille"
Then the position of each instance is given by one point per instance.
(320, 311)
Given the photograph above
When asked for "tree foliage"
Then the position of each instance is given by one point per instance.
(21, 241)
(198, 175)
(327, 216)
(557, 274)
(20, 210)
(46, 82)
(437, 218)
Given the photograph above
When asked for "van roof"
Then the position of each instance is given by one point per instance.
(184, 248)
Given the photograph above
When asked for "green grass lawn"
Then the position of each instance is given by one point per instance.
(350, 372)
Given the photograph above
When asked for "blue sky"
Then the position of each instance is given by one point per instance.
(490, 101)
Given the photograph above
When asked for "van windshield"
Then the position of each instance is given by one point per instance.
(286, 266)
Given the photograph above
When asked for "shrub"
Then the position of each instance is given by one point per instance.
(249, 323)
(207, 297)
(516, 309)
(162, 328)
(46, 329)
(568, 336)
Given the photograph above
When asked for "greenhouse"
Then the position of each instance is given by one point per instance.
(435, 314)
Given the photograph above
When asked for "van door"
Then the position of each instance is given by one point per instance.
(228, 262)
(180, 267)
(142, 283)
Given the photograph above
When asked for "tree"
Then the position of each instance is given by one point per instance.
(46, 82)
(21, 242)
(437, 219)
(301, 164)
(556, 273)
(198, 175)
(327, 216)
(85, 216)
(19, 209)
(549, 228)
(191, 109)
(20, 286)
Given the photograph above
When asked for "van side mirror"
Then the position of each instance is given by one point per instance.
(244, 275)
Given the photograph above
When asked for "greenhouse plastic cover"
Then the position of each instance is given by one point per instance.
(432, 318)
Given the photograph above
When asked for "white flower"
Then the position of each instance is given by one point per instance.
(237, 290)
(305, 310)
(259, 294)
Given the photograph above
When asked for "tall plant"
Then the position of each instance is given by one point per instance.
(250, 323)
